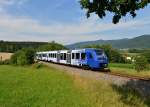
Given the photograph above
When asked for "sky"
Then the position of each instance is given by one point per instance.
(65, 22)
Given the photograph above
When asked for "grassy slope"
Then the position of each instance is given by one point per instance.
(128, 69)
(48, 87)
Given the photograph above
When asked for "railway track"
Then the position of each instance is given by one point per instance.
(128, 76)
(140, 84)
(108, 72)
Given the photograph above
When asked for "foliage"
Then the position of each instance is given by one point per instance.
(49, 87)
(128, 70)
(51, 46)
(141, 63)
(23, 57)
(147, 55)
(112, 54)
(119, 8)
(5, 62)
(136, 50)
(38, 65)
(121, 65)
(15, 46)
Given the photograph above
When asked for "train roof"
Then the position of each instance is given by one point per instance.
(74, 50)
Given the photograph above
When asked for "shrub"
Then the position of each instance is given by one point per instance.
(51, 46)
(23, 57)
(147, 55)
(38, 65)
(141, 63)
(5, 62)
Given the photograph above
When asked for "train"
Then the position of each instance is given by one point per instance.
(88, 58)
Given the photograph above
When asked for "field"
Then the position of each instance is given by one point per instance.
(128, 69)
(5, 56)
(41, 86)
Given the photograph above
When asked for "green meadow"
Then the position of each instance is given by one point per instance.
(41, 86)
(128, 69)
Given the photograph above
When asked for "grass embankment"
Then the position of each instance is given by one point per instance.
(49, 87)
(128, 69)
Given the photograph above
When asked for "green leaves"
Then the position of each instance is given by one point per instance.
(118, 7)
(141, 63)
(23, 57)
(51, 46)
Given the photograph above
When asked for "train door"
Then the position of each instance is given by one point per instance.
(90, 60)
(58, 56)
(69, 57)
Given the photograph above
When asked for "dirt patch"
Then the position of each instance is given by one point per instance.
(5, 56)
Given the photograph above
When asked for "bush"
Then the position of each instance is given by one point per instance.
(51, 46)
(5, 62)
(23, 57)
(141, 63)
(147, 55)
(38, 65)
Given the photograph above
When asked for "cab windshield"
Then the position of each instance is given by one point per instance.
(99, 52)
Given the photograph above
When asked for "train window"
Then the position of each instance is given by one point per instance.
(64, 56)
(99, 52)
(83, 56)
(91, 56)
(61, 56)
(49, 55)
(77, 55)
(73, 55)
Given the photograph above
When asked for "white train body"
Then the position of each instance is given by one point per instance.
(93, 58)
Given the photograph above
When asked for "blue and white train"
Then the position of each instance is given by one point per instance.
(86, 58)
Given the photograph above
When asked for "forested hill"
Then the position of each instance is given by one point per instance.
(137, 42)
(8, 46)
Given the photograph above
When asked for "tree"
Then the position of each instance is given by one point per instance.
(51, 46)
(141, 63)
(23, 57)
(147, 55)
(118, 7)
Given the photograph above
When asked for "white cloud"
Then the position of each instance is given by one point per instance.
(11, 2)
(27, 29)
(23, 28)
(5, 3)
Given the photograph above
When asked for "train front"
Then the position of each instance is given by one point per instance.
(102, 58)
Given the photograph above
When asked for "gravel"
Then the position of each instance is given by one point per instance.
(143, 87)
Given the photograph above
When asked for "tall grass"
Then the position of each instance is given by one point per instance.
(48, 87)
(128, 69)
(121, 65)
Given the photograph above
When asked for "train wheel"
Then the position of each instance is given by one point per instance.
(86, 67)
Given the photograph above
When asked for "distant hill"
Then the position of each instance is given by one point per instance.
(9, 46)
(137, 42)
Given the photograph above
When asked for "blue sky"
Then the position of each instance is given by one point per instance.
(64, 21)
